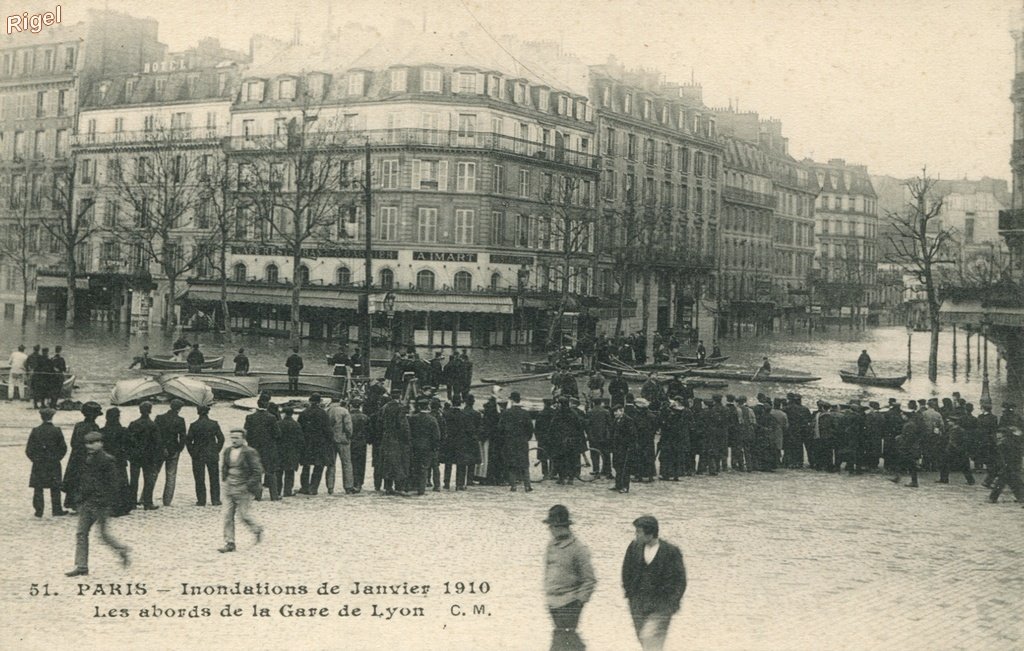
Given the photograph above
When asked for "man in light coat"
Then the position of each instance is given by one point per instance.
(341, 430)
(569, 579)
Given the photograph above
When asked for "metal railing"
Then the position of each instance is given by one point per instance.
(153, 137)
(748, 196)
(478, 140)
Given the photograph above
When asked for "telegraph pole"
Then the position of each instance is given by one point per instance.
(368, 260)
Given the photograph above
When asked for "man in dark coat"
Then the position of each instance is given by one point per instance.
(31, 363)
(291, 447)
(46, 448)
(987, 425)
(72, 474)
(492, 447)
(908, 446)
(316, 427)
(195, 359)
(955, 453)
(147, 455)
(204, 443)
(863, 363)
(654, 579)
(545, 441)
(568, 430)
(294, 366)
(675, 440)
(41, 369)
(117, 442)
(60, 368)
(874, 429)
(425, 437)
(360, 437)
(618, 388)
(799, 433)
(1009, 446)
(642, 462)
(467, 442)
(599, 431)
(395, 445)
(626, 447)
(516, 430)
(436, 370)
(241, 363)
(172, 436)
(99, 493)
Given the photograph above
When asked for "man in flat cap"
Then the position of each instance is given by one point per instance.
(242, 473)
(98, 492)
(569, 580)
(171, 426)
(46, 448)
(654, 580)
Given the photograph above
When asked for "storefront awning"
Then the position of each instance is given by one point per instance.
(444, 303)
(312, 295)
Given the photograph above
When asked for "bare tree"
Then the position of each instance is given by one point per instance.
(19, 240)
(221, 210)
(567, 227)
(158, 184)
(918, 246)
(71, 226)
(296, 184)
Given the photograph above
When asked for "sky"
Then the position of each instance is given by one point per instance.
(893, 84)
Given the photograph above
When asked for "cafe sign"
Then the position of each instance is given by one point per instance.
(443, 256)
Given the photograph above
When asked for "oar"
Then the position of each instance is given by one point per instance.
(871, 368)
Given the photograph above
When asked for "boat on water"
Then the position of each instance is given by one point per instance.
(745, 376)
(374, 361)
(193, 392)
(512, 379)
(544, 366)
(172, 363)
(891, 382)
(126, 392)
(707, 360)
(275, 383)
(223, 385)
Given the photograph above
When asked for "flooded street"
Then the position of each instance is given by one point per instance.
(99, 356)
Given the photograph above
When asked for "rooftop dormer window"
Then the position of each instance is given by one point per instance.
(627, 104)
(430, 81)
(286, 89)
(399, 80)
(356, 83)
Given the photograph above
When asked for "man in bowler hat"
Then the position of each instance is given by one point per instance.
(568, 580)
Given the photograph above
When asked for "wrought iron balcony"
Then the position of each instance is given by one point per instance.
(154, 138)
(740, 195)
(418, 138)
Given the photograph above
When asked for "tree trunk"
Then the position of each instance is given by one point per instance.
(645, 320)
(562, 301)
(72, 270)
(225, 315)
(24, 295)
(170, 319)
(296, 333)
(620, 307)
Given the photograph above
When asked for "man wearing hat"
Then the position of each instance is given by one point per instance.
(204, 443)
(72, 474)
(987, 425)
(569, 435)
(654, 579)
(395, 447)
(172, 436)
(316, 427)
(599, 430)
(46, 448)
(1009, 446)
(341, 430)
(425, 438)
(799, 431)
(147, 455)
(874, 430)
(241, 472)
(99, 488)
(569, 579)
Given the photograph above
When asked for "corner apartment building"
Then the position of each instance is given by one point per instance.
(847, 256)
(41, 77)
(661, 186)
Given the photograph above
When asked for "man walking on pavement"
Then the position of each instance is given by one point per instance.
(242, 473)
(341, 429)
(569, 580)
(204, 443)
(172, 436)
(654, 579)
(99, 489)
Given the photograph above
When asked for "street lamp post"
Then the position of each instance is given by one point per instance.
(910, 335)
(985, 397)
(368, 261)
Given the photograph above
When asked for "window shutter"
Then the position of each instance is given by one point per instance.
(481, 84)
(445, 225)
(442, 176)
(414, 180)
(455, 82)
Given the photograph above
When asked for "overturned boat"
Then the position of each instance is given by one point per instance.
(193, 392)
(135, 390)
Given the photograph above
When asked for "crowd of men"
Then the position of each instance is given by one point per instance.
(36, 376)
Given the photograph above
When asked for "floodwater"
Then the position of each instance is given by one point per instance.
(99, 355)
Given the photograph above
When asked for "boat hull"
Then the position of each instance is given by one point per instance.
(328, 385)
(224, 386)
(135, 390)
(872, 381)
(191, 391)
(707, 360)
(745, 376)
(168, 363)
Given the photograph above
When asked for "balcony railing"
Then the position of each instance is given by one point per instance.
(740, 195)
(152, 138)
(417, 138)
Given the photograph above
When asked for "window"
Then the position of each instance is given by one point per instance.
(430, 175)
(19, 145)
(356, 83)
(430, 81)
(627, 104)
(239, 273)
(114, 169)
(649, 151)
(398, 80)
(88, 168)
(698, 163)
(609, 141)
(520, 93)
(524, 183)
(495, 281)
(110, 213)
(522, 230)
(39, 146)
(631, 146)
(467, 82)
(427, 225)
(62, 102)
(713, 167)
(464, 222)
(118, 125)
(203, 213)
(563, 105)
(499, 179)
(142, 170)
(286, 89)
(149, 123)
(425, 280)
(248, 129)
(389, 174)
(542, 99)
(40, 104)
(648, 109)
(181, 120)
(684, 160)
(465, 177)
(343, 276)
(160, 85)
(463, 281)
(467, 125)
(969, 230)
(252, 91)
(494, 87)
(303, 275)
(69, 58)
(388, 223)
(611, 188)
(129, 88)
(497, 227)
(271, 273)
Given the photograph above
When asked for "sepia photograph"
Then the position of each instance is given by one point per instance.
(512, 325)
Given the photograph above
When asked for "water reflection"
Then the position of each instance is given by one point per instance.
(100, 353)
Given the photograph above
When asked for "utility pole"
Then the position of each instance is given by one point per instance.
(368, 261)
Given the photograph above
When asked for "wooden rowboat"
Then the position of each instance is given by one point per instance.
(893, 382)
(170, 363)
(745, 376)
(193, 392)
(65, 390)
(134, 390)
(707, 360)
(333, 386)
(223, 385)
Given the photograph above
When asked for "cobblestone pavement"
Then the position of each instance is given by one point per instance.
(789, 560)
